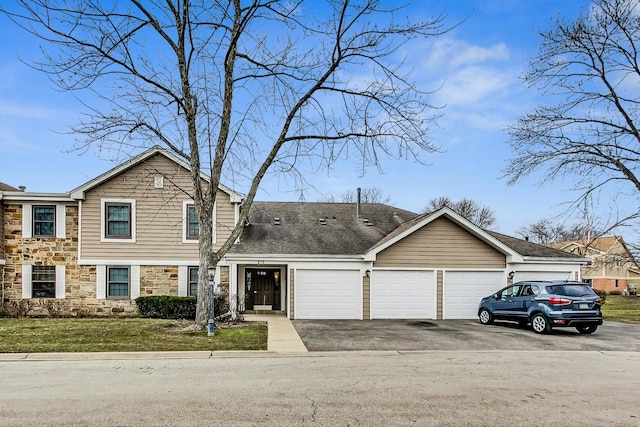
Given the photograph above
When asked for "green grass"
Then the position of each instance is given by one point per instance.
(618, 308)
(93, 335)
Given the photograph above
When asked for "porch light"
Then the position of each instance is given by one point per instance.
(276, 275)
(211, 273)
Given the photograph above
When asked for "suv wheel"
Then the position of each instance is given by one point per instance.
(540, 324)
(587, 329)
(485, 317)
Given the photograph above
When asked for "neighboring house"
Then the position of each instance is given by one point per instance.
(613, 267)
(132, 231)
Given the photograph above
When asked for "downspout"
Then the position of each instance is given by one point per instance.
(2, 301)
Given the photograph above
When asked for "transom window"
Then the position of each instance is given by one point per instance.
(43, 281)
(118, 220)
(44, 221)
(193, 281)
(117, 282)
(193, 228)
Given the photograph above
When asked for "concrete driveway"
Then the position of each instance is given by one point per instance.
(424, 335)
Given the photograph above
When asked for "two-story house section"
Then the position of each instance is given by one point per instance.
(131, 231)
(39, 244)
(613, 267)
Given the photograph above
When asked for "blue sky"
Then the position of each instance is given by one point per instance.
(478, 65)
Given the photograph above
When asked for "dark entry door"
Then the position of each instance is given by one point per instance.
(262, 287)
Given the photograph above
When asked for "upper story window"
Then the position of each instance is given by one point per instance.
(43, 281)
(118, 220)
(44, 221)
(193, 228)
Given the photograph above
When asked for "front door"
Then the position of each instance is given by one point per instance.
(262, 288)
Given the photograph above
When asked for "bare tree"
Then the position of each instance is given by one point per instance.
(367, 195)
(237, 88)
(546, 231)
(588, 71)
(480, 215)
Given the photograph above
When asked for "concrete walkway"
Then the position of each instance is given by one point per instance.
(283, 337)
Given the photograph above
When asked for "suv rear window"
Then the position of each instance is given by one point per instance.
(570, 290)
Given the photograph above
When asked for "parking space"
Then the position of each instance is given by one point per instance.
(424, 335)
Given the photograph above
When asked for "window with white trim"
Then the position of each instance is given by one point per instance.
(193, 282)
(193, 228)
(43, 281)
(118, 220)
(118, 285)
(44, 221)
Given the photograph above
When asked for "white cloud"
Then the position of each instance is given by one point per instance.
(451, 54)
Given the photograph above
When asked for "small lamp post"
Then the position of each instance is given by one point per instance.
(211, 272)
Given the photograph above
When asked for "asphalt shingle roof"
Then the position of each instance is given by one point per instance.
(526, 248)
(317, 228)
(333, 229)
(6, 187)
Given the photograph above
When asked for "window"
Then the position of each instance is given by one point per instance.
(193, 229)
(43, 281)
(118, 220)
(511, 291)
(44, 221)
(117, 282)
(193, 282)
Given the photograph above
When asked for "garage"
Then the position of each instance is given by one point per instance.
(403, 294)
(463, 291)
(328, 294)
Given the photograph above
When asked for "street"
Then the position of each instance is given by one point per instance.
(356, 389)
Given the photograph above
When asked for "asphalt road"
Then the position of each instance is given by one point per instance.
(441, 388)
(415, 335)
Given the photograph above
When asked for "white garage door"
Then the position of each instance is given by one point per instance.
(520, 276)
(403, 294)
(328, 294)
(463, 291)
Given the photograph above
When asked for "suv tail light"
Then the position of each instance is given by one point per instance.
(559, 301)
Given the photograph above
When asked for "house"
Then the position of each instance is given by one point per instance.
(613, 267)
(131, 231)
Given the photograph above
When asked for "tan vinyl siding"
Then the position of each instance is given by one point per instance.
(440, 243)
(366, 298)
(225, 218)
(158, 214)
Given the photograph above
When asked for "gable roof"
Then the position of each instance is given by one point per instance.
(79, 193)
(332, 229)
(426, 218)
(7, 187)
(601, 244)
(317, 228)
(530, 249)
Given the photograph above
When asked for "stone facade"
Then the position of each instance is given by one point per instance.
(80, 280)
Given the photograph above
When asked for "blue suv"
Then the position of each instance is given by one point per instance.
(544, 304)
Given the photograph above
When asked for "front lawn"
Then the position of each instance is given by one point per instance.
(618, 308)
(94, 335)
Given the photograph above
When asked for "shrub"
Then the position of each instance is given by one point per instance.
(167, 307)
(601, 294)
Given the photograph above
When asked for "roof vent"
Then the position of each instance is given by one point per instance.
(323, 221)
(276, 221)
